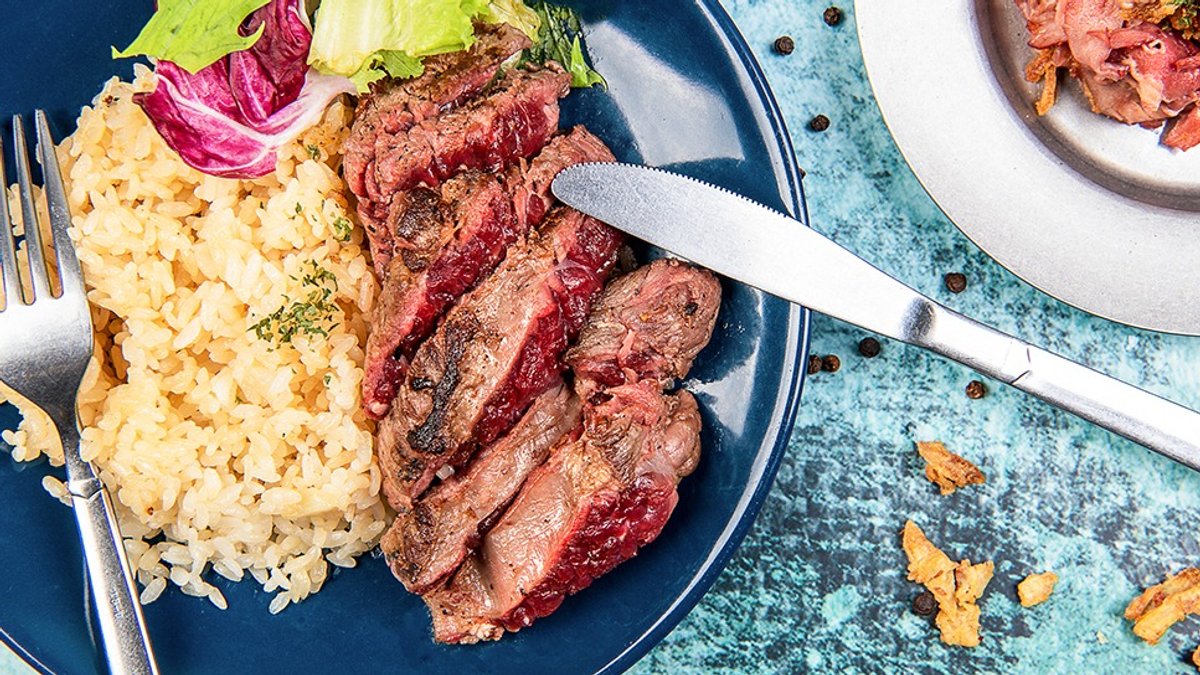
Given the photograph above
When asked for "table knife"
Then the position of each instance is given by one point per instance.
(763, 248)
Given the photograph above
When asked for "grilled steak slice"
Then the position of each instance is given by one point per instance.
(514, 121)
(455, 235)
(530, 184)
(648, 324)
(447, 241)
(494, 352)
(589, 508)
(428, 542)
(448, 81)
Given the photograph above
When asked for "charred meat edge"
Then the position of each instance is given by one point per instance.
(482, 218)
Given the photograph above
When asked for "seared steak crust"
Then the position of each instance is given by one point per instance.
(468, 225)
(589, 508)
(648, 324)
(494, 353)
(449, 80)
(428, 541)
(447, 240)
(514, 121)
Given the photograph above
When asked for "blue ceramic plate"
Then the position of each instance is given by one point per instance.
(685, 94)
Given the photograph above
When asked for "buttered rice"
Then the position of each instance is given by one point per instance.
(232, 440)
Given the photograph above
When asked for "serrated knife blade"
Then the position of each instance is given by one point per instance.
(749, 242)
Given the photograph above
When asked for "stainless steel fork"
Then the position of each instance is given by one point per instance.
(45, 346)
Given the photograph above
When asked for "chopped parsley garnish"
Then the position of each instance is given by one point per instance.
(342, 228)
(313, 151)
(311, 316)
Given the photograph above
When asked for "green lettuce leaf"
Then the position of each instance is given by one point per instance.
(386, 63)
(348, 34)
(194, 34)
(514, 13)
(558, 40)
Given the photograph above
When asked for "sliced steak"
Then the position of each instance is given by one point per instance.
(428, 542)
(497, 350)
(514, 121)
(456, 235)
(448, 239)
(530, 184)
(589, 508)
(448, 81)
(648, 324)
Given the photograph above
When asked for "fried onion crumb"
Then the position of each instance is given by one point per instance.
(1163, 605)
(956, 587)
(946, 469)
(1036, 588)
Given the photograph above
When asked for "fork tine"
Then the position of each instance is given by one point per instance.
(8, 249)
(69, 272)
(33, 231)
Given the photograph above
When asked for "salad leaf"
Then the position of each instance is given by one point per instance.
(558, 40)
(229, 118)
(514, 13)
(365, 39)
(194, 34)
(385, 63)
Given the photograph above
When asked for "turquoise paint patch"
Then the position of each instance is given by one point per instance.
(1106, 515)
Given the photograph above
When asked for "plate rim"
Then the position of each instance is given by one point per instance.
(1142, 304)
(787, 401)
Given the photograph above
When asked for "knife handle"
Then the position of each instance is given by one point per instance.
(1160, 425)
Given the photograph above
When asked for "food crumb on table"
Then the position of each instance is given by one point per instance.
(1036, 588)
(1163, 605)
(954, 587)
(947, 470)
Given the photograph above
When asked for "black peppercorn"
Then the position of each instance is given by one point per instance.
(869, 347)
(819, 123)
(976, 389)
(924, 604)
(420, 383)
(831, 363)
(832, 16)
(956, 282)
(814, 364)
(784, 45)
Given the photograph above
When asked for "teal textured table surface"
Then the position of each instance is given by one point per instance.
(819, 584)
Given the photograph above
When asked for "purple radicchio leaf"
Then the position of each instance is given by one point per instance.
(228, 119)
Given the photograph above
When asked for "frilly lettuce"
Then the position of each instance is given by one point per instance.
(367, 40)
(557, 39)
(228, 118)
(194, 34)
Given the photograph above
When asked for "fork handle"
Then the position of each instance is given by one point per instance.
(122, 627)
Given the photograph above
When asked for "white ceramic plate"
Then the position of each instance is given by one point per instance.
(1090, 211)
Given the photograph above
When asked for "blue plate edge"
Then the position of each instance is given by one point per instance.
(787, 406)
(23, 654)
